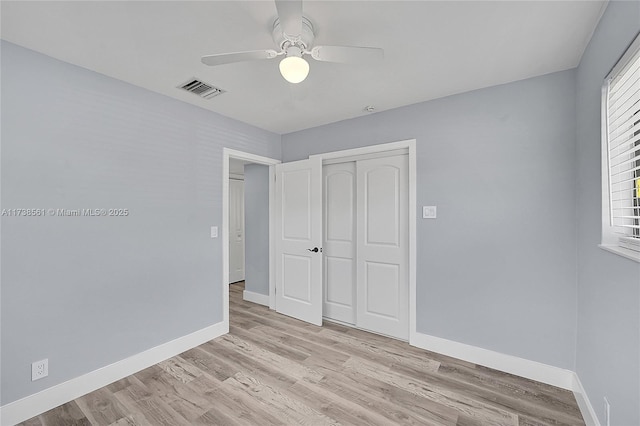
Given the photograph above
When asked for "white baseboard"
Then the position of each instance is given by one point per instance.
(533, 370)
(32, 405)
(260, 299)
(555, 376)
(588, 413)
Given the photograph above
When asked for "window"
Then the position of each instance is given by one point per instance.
(621, 145)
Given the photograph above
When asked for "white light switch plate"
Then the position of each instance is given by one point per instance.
(214, 232)
(429, 212)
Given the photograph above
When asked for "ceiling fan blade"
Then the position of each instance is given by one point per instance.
(229, 58)
(290, 15)
(347, 54)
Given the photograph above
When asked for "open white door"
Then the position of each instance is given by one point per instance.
(299, 240)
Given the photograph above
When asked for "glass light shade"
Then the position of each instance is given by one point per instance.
(294, 69)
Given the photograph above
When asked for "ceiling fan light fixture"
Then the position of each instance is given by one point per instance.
(293, 67)
(294, 35)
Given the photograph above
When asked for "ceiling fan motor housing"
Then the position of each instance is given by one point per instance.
(303, 41)
(294, 51)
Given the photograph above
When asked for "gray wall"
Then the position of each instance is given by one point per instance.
(608, 348)
(256, 223)
(497, 268)
(88, 291)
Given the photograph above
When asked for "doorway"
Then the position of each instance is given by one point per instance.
(373, 151)
(233, 162)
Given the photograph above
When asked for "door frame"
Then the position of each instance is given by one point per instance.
(410, 146)
(227, 154)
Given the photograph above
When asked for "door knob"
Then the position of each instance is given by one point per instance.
(315, 249)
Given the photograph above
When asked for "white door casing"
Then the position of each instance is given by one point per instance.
(227, 155)
(298, 232)
(382, 246)
(236, 230)
(339, 196)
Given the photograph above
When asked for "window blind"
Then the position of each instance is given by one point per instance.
(623, 136)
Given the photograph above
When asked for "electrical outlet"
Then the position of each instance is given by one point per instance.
(429, 212)
(39, 369)
(607, 412)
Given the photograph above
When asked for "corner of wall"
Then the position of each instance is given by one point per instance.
(588, 413)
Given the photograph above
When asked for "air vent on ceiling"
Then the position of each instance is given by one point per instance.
(201, 89)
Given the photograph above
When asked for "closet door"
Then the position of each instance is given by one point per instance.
(382, 246)
(339, 196)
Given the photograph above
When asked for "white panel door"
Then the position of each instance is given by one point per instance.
(339, 288)
(236, 230)
(299, 240)
(382, 246)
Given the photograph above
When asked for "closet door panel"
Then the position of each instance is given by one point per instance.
(382, 289)
(339, 275)
(339, 241)
(382, 246)
(382, 206)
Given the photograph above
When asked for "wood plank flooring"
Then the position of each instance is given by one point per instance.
(274, 370)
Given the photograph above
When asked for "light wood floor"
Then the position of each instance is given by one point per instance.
(271, 369)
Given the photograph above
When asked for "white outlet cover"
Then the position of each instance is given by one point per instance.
(429, 212)
(214, 232)
(40, 369)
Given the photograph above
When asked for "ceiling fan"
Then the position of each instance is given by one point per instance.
(293, 34)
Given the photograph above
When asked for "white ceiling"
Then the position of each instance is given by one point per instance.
(432, 49)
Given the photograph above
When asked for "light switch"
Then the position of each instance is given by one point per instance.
(429, 212)
(214, 232)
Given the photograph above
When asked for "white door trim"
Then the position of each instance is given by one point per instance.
(409, 144)
(228, 153)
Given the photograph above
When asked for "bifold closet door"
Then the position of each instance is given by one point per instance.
(339, 199)
(382, 246)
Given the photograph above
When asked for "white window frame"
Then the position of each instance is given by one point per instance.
(610, 239)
